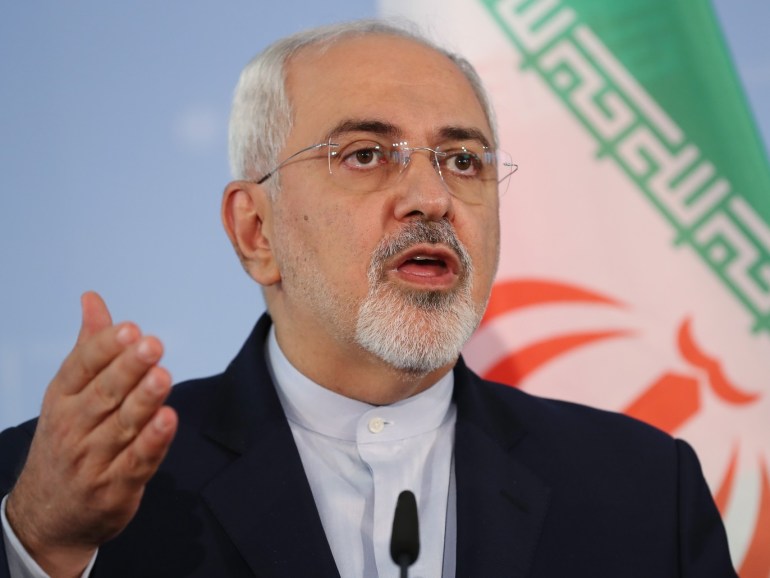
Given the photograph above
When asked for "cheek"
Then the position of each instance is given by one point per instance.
(352, 227)
(292, 243)
(340, 231)
(485, 252)
(342, 247)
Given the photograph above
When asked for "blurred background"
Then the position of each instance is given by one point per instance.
(113, 138)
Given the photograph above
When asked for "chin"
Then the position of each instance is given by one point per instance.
(418, 332)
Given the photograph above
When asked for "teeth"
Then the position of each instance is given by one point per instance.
(422, 258)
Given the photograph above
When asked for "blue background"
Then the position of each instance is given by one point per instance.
(114, 155)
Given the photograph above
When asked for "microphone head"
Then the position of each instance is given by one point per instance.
(405, 539)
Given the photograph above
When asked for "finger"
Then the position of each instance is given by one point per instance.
(137, 463)
(139, 406)
(91, 356)
(95, 315)
(108, 390)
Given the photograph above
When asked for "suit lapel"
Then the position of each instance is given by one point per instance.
(501, 504)
(264, 503)
(262, 498)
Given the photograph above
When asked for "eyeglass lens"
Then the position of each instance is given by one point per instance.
(468, 169)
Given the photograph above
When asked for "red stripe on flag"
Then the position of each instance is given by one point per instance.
(668, 403)
(509, 296)
(518, 365)
(717, 379)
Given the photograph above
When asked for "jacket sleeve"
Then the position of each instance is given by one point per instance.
(703, 548)
(14, 445)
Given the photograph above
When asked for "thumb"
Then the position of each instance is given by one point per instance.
(95, 316)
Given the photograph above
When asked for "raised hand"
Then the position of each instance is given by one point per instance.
(102, 433)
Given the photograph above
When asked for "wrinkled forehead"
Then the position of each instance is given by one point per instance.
(392, 79)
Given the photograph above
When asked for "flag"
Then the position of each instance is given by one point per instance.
(635, 264)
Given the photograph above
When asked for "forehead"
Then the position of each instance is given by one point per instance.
(379, 77)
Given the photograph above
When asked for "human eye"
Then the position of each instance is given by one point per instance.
(464, 161)
(362, 155)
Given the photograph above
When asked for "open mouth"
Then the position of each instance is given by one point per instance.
(424, 265)
(428, 264)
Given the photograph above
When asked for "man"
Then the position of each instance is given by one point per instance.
(366, 207)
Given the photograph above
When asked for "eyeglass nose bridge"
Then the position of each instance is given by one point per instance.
(405, 157)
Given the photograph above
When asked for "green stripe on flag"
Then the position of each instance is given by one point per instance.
(652, 81)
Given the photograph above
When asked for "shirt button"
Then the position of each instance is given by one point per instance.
(376, 425)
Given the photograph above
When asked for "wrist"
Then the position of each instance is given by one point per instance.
(57, 560)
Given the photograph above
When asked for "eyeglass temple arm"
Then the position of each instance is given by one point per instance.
(287, 159)
(513, 166)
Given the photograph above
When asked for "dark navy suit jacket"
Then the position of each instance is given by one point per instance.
(544, 489)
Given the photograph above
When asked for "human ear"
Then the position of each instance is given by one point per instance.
(247, 218)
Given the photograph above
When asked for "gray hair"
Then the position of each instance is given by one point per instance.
(261, 115)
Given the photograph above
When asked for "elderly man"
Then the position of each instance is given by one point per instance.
(366, 206)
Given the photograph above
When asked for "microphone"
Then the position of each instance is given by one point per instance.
(405, 539)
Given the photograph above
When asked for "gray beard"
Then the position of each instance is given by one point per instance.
(417, 331)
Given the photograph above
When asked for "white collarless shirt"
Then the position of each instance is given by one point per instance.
(360, 457)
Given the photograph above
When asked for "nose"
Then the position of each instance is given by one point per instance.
(422, 193)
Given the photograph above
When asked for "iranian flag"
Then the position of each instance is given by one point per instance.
(635, 268)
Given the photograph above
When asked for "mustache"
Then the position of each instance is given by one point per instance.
(416, 233)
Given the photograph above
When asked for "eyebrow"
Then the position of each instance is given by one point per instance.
(386, 129)
(372, 126)
(463, 133)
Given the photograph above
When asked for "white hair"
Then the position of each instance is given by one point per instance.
(261, 115)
